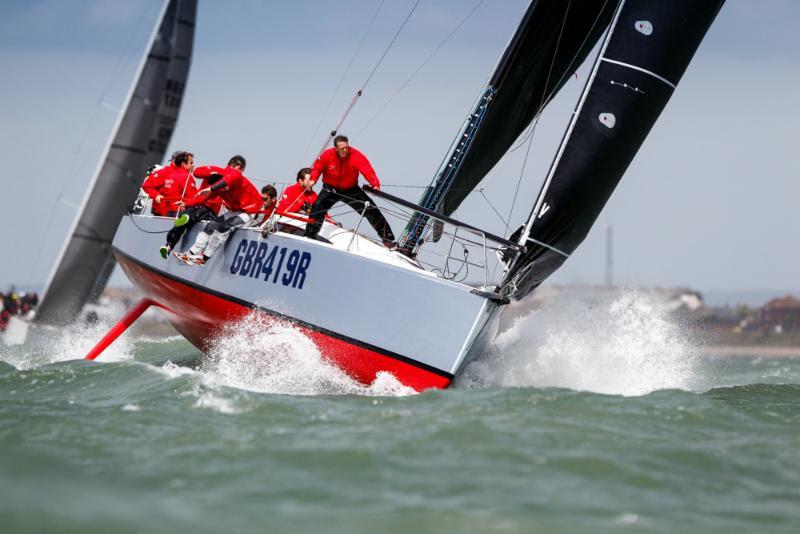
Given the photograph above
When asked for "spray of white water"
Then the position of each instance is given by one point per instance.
(47, 344)
(261, 355)
(624, 345)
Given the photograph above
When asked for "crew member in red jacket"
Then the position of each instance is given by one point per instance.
(207, 211)
(340, 167)
(241, 199)
(299, 198)
(169, 185)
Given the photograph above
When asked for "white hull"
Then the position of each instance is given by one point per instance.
(357, 300)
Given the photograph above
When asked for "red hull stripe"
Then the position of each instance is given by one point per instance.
(140, 266)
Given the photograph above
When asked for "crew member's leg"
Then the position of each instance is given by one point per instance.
(357, 199)
(195, 214)
(203, 238)
(223, 230)
(325, 201)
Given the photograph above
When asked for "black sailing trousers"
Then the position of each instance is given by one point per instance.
(354, 197)
(196, 214)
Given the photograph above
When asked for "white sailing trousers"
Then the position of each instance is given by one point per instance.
(216, 233)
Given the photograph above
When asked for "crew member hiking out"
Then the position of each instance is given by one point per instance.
(340, 167)
(241, 199)
(207, 211)
(169, 185)
(299, 197)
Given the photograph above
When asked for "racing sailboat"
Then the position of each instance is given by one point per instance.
(430, 321)
(140, 137)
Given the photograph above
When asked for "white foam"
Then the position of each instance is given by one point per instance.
(174, 371)
(258, 354)
(625, 345)
(47, 345)
(212, 401)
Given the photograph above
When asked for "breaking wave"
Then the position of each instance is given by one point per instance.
(258, 354)
(624, 345)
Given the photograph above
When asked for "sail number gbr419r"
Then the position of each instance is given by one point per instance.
(274, 264)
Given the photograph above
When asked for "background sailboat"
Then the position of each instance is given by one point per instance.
(140, 137)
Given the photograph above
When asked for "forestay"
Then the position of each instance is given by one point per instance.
(140, 137)
(642, 59)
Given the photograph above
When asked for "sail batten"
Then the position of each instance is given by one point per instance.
(640, 69)
(139, 137)
(648, 48)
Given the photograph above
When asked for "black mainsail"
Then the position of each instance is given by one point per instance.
(550, 43)
(643, 57)
(140, 137)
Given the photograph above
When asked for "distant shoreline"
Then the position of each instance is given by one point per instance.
(751, 350)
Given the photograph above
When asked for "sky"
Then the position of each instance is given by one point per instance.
(710, 201)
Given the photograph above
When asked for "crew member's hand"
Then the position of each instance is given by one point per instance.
(376, 187)
(180, 203)
(158, 199)
(204, 192)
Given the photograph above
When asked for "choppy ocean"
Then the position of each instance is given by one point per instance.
(599, 418)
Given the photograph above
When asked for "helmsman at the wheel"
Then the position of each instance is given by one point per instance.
(340, 166)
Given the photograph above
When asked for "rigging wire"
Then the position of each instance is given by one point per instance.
(341, 80)
(536, 122)
(492, 206)
(366, 82)
(389, 46)
(420, 67)
(552, 93)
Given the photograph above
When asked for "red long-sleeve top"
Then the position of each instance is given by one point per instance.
(238, 194)
(294, 198)
(173, 184)
(342, 173)
(214, 203)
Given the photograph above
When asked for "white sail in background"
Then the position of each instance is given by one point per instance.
(140, 137)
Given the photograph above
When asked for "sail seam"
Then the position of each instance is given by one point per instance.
(133, 149)
(92, 238)
(640, 69)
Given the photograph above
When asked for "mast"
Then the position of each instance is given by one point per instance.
(643, 57)
(140, 136)
(551, 41)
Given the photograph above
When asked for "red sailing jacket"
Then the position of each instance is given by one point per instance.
(214, 202)
(238, 195)
(343, 173)
(295, 197)
(169, 182)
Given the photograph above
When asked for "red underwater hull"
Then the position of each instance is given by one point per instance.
(197, 313)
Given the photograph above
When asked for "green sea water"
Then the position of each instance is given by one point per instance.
(611, 423)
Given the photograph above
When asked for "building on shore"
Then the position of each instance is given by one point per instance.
(781, 314)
